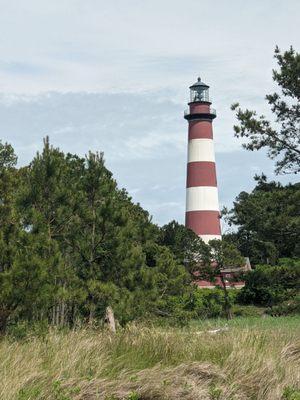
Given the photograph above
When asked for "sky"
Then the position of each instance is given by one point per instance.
(113, 76)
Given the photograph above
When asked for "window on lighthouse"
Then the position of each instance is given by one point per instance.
(199, 94)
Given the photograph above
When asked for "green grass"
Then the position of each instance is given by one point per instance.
(267, 322)
(253, 358)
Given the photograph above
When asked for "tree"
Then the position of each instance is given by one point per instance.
(222, 255)
(47, 199)
(92, 234)
(10, 227)
(284, 141)
(187, 247)
(8, 218)
(267, 221)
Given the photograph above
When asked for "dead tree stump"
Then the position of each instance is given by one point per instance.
(110, 319)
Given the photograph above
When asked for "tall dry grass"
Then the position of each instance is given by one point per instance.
(153, 363)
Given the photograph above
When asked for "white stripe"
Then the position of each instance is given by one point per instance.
(207, 238)
(201, 150)
(202, 198)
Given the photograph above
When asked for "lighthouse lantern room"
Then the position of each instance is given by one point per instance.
(199, 91)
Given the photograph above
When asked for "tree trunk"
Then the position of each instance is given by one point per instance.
(53, 316)
(227, 306)
(57, 308)
(92, 314)
(4, 316)
(110, 319)
(62, 313)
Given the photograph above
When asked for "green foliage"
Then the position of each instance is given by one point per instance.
(133, 396)
(72, 243)
(29, 393)
(225, 255)
(221, 255)
(210, 303)
(215, 393)
(283, 141)
(291, 393)
(288, 307)
(23, 330)
(10, 232)
(8, 159)
(268, 221)
(247, 311)
(58, 392)
(205, 261)
(187, 247)
(268, 285)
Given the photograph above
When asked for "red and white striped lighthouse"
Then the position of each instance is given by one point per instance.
(202, 205)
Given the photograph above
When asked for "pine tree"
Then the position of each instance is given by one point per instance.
(10, 230)
(267, 221)
(47, 203)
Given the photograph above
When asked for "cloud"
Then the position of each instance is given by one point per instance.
(143, 136)
(126, 126)
(133, 45)
(114, 76)
(22, 68)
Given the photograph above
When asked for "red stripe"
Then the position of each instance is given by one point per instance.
(201, 173)
(199, 108)
(203, 222)
(200, 130)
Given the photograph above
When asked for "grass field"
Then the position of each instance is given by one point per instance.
(252, 358)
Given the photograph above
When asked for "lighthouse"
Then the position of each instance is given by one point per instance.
(202, 205)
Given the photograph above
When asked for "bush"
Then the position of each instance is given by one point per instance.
(24, 329)
(270, 285)
(290, 307)
(209, 303)
(247, 311)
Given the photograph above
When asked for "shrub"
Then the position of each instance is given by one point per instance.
(24, 329)
(289, 307)
(270, 285)
(209, 303)
(247, 311)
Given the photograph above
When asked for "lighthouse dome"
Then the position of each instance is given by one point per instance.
(199, 83)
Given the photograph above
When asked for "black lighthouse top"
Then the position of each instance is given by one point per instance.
(200, 104)
(199, 92)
